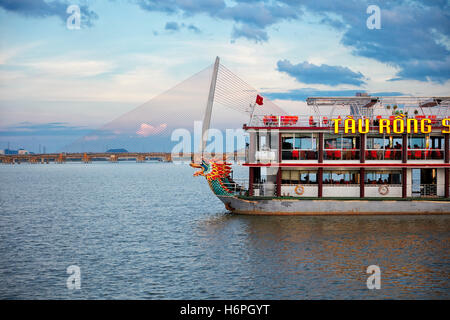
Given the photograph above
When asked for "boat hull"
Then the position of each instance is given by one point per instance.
(333, 207)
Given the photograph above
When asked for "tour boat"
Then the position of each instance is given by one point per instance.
(354, 155)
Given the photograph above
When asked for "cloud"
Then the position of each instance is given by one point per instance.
(324, 74)
(182, 6)
(91, 138)
(44, 129)
(425, 70)
(302, 94)
(193, 28)
(7, 54)
(172, 26)
(43, 9)
(253, 16)
(146, 130)
(70, 68)
(258, 14)
(250, 33)
(414, 35)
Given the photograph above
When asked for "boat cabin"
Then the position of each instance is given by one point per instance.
(352, 147)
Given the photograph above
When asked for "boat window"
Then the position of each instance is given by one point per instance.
(384, 147)
(425, 142)
(348, 142)
(396, 142)
(425, 147)
(340, 147)
(341, 177)
(298, 177)
(332, 141)
(375, 142)
(299, 141)
(417, 142)
(341, 142)
(383, 177)
(298, 146)
(287, 141)
(305, 142)
(308, 177)
(289, 177)
(437, 142)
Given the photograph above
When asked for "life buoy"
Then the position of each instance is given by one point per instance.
(383, 190)
(299, 190)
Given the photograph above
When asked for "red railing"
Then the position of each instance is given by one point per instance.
(383, 154)
(341, 154)
(425, 154)
(326, 121)
(299, 154)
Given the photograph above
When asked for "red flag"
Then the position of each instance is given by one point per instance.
(259, 100)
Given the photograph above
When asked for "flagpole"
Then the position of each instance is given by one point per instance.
(259, 101)
(253, 111)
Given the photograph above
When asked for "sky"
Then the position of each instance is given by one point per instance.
(57, 84)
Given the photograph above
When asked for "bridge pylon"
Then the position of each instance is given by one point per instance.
(86, 158)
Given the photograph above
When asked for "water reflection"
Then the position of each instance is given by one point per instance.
(327, 257)
(138, 232)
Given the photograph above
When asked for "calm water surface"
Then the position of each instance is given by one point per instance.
(152, 231)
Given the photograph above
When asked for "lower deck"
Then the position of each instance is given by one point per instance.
(359, 183)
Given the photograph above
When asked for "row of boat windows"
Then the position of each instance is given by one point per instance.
(371, 154)
(340, 177)
(379, 147)
(310, 142)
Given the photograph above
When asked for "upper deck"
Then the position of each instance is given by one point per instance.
(322, 110)
(395, 131)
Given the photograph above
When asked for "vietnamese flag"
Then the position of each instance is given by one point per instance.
(259, 100)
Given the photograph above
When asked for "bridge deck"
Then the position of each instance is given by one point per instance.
(113, 157)
(86, 157)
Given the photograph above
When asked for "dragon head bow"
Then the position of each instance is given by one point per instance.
(204, 166)
(217, 173)
(212, 170)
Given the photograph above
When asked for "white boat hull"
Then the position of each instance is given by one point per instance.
(333, 207)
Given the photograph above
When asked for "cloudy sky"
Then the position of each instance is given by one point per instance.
(57, 84)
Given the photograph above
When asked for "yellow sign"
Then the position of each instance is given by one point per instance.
(397, 125)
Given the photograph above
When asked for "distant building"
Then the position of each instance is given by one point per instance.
(9, 151)
(117, 151)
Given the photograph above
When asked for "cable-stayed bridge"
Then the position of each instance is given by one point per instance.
(228, 100)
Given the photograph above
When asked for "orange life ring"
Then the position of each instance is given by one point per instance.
(301, 191)
(383, 190)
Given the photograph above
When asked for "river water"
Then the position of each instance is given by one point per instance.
(152, 231)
